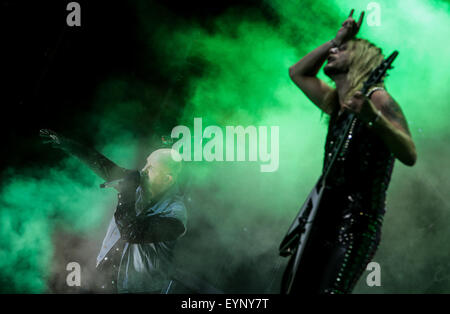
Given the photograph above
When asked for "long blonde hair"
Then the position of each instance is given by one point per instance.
(365, 57)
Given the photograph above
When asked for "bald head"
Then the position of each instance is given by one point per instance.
(164, 159)
(161, 170)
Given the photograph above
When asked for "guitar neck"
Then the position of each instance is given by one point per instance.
(346, 138)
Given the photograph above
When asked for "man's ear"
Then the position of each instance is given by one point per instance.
(169, 178)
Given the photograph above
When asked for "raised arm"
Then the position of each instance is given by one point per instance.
(98, 163)
(304, 72)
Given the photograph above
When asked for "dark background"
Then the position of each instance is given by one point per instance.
(51, 71)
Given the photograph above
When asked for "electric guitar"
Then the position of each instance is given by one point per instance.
(297, 236)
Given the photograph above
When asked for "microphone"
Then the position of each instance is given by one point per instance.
(112, 184)
(133, 178)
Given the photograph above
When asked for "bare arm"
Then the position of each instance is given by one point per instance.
(392, 127)
(304, 72)
(97, 162)
(388, 121)
(304, 75)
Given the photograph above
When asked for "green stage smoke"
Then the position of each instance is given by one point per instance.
(32, 204)
(36, 203)
(235, 71)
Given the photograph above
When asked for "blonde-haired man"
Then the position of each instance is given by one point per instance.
(347, 228)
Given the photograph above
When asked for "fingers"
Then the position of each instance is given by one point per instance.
(46, 132)
(350, 19)
(360, 20)
(49, 137)
(349, 105)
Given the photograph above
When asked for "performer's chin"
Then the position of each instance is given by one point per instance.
(330, 71)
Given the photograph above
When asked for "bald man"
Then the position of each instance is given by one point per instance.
(136, 254)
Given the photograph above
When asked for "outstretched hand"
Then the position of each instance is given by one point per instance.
(49, 137)
(349, 28)
(54, 139)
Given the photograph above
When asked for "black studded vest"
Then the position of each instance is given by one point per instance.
(361, 174)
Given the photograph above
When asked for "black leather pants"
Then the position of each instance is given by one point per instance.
(336, 255)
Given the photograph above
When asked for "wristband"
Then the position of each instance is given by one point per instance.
(334, 43)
